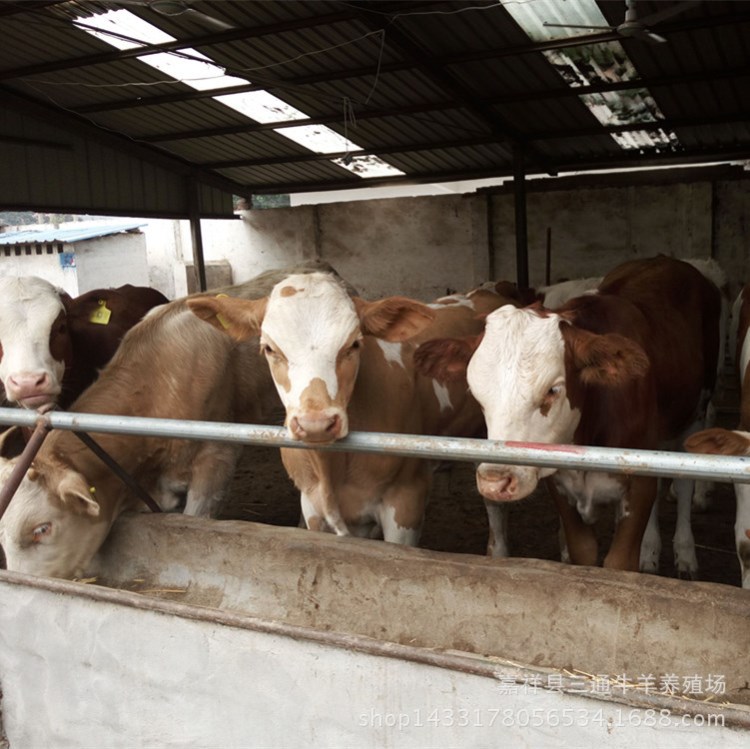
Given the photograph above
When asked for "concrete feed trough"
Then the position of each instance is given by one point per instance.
(222, 633)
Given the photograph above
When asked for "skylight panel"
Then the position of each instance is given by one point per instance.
(318, 138)
(123, 23)
(261, 106)
(198, 71)
(595, 63)
(368, 166)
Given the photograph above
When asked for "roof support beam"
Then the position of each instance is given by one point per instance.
(480, 140)
(519, 204)
(193, 201)
(626, 161)
(327, 119)
(302, 81)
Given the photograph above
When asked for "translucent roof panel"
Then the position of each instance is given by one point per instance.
(594, 63)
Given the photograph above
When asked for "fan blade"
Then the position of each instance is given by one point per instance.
(672, 10)
(207, 20)
(645, 35)
(574, 26)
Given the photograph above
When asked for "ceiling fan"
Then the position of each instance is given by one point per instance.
(633, 27)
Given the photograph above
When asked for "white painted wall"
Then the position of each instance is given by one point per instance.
(45, 266)
(103, 262)
(111, 261)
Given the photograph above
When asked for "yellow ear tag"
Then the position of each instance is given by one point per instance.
(101, 315)
(222, 320)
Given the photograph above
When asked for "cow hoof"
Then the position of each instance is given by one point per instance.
(687, 574)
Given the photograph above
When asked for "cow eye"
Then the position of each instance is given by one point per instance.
(266, 349)
(40, 532)
(356, 345)
(550, 397)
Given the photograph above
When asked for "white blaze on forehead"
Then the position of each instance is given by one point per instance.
(28, 308)
(310, 318)
(521, 356)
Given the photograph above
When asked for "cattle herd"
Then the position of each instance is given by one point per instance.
(629, 360)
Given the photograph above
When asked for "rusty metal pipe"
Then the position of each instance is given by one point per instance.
(24, 461)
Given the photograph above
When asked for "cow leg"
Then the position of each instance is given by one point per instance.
(497, 515)
(741, 525)
(581, 546)
(651, 544)
(625, 551)
(403, 506)
(704, 489)
(320, 513)
(685, 561)
(211, 471)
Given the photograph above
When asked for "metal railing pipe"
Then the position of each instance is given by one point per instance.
(613, 460)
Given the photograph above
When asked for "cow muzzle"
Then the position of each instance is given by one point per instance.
(505, 483)
(31, 389)
(319, 427)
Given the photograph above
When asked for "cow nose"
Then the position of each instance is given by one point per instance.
(24, 385)
(28, 380)
(316, 427)
(497, 484)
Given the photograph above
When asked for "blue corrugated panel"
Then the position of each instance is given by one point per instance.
(49, 236)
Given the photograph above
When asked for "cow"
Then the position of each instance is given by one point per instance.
(628, 366)
(716, 441)
(52, 346)
(342, 363)
(170, 365)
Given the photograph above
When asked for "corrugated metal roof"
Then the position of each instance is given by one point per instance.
(441, 89)
(65, 236)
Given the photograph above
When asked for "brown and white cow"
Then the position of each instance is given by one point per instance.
(626, 367)
(170, 365)
(725, 442)
(342, 363)
(52, 346)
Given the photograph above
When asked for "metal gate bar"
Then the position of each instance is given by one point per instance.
(611, 460)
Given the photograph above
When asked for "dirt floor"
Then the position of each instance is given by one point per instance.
(456, 519)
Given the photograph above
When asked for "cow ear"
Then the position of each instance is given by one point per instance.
(78, 495)
(718, 442)
(394, 318)
(609, 360)
(65, 299)
(446, 359)
(239, 318)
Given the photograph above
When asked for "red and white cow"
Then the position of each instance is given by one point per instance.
(726, 442)
(52, 346)
(342, 363)
(626, 367)
(170, 365)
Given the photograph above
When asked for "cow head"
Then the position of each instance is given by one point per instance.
(53, 525)
(529, 372)
(312, 333)
(35, 344)
(719, 442)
